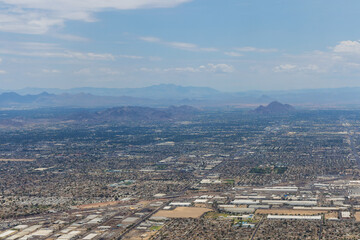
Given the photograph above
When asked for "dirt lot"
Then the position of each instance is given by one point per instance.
(16, 160)
(183, 212)
(332, 215)
(97, 205)
(289, 212)
(357, 216)
(139, 235)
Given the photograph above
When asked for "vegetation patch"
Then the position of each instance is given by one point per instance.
(268, 170)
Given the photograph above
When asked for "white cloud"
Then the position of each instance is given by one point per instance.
(131, 57)
(284, 68)
(176, 69)
(326, 61)
(155, 58)
(92, 56)
(39, 49)
(61, 54)
(210, 68)
(79, 6)
(50, 71)
(27, 22)
(296, 68)
(84, 71)
(31, 46)
(311, 67)
(97, 71)
(109, 71)
(144, 69)
(220, 68)
(183, 69)
(2, 71)
(352, 47)
(353, 65)
(39, 16)
(233, 54)
(49, 50)
(150, 39)
(182, 45)
(210, 49)
(253, 49)
(69, 37)
(178, 45)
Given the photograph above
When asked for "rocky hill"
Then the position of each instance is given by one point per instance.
(136, 114)
(274, 108)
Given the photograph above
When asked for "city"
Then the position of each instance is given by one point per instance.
(179, 120)
(227, 175)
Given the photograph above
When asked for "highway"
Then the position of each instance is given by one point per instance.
(351, 134)
(256, 229)
(143, 219)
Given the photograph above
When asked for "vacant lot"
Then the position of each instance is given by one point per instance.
(357, 216)
(331, 215)
(289, 212)
(16, 160)
(97, 205)
(183, 212)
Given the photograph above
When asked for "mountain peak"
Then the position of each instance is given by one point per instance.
(275, 107)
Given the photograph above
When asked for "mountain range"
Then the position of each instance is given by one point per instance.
(123, 115)
(136, 114)
(167, 94)
(162, 91)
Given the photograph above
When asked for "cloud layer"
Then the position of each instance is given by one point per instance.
(178, 45)
(39, 16)
(351, 47)
(296, 68)
(259, 50)
(210, 68)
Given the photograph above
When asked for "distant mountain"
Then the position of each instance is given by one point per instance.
(13, 99)
(136, 114)
(165, 95)
(274, 108)
(162, 91)
(16, 101)
(130, 115)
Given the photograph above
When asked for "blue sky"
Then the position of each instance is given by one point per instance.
(230, 45)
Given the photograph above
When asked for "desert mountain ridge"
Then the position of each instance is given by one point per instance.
(274, 107)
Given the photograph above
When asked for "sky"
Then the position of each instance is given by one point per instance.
(229, 45)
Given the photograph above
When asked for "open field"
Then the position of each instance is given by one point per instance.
(16, 160)
(139, 235)
(357, 216)
(332, 215)
(215, 215)
(183, 212)
(97, 205)
(289, 211)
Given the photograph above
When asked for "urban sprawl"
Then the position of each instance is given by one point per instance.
(218, 175)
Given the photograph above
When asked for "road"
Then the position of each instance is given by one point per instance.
(133, 226)
(256, 229)
(351, 134)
